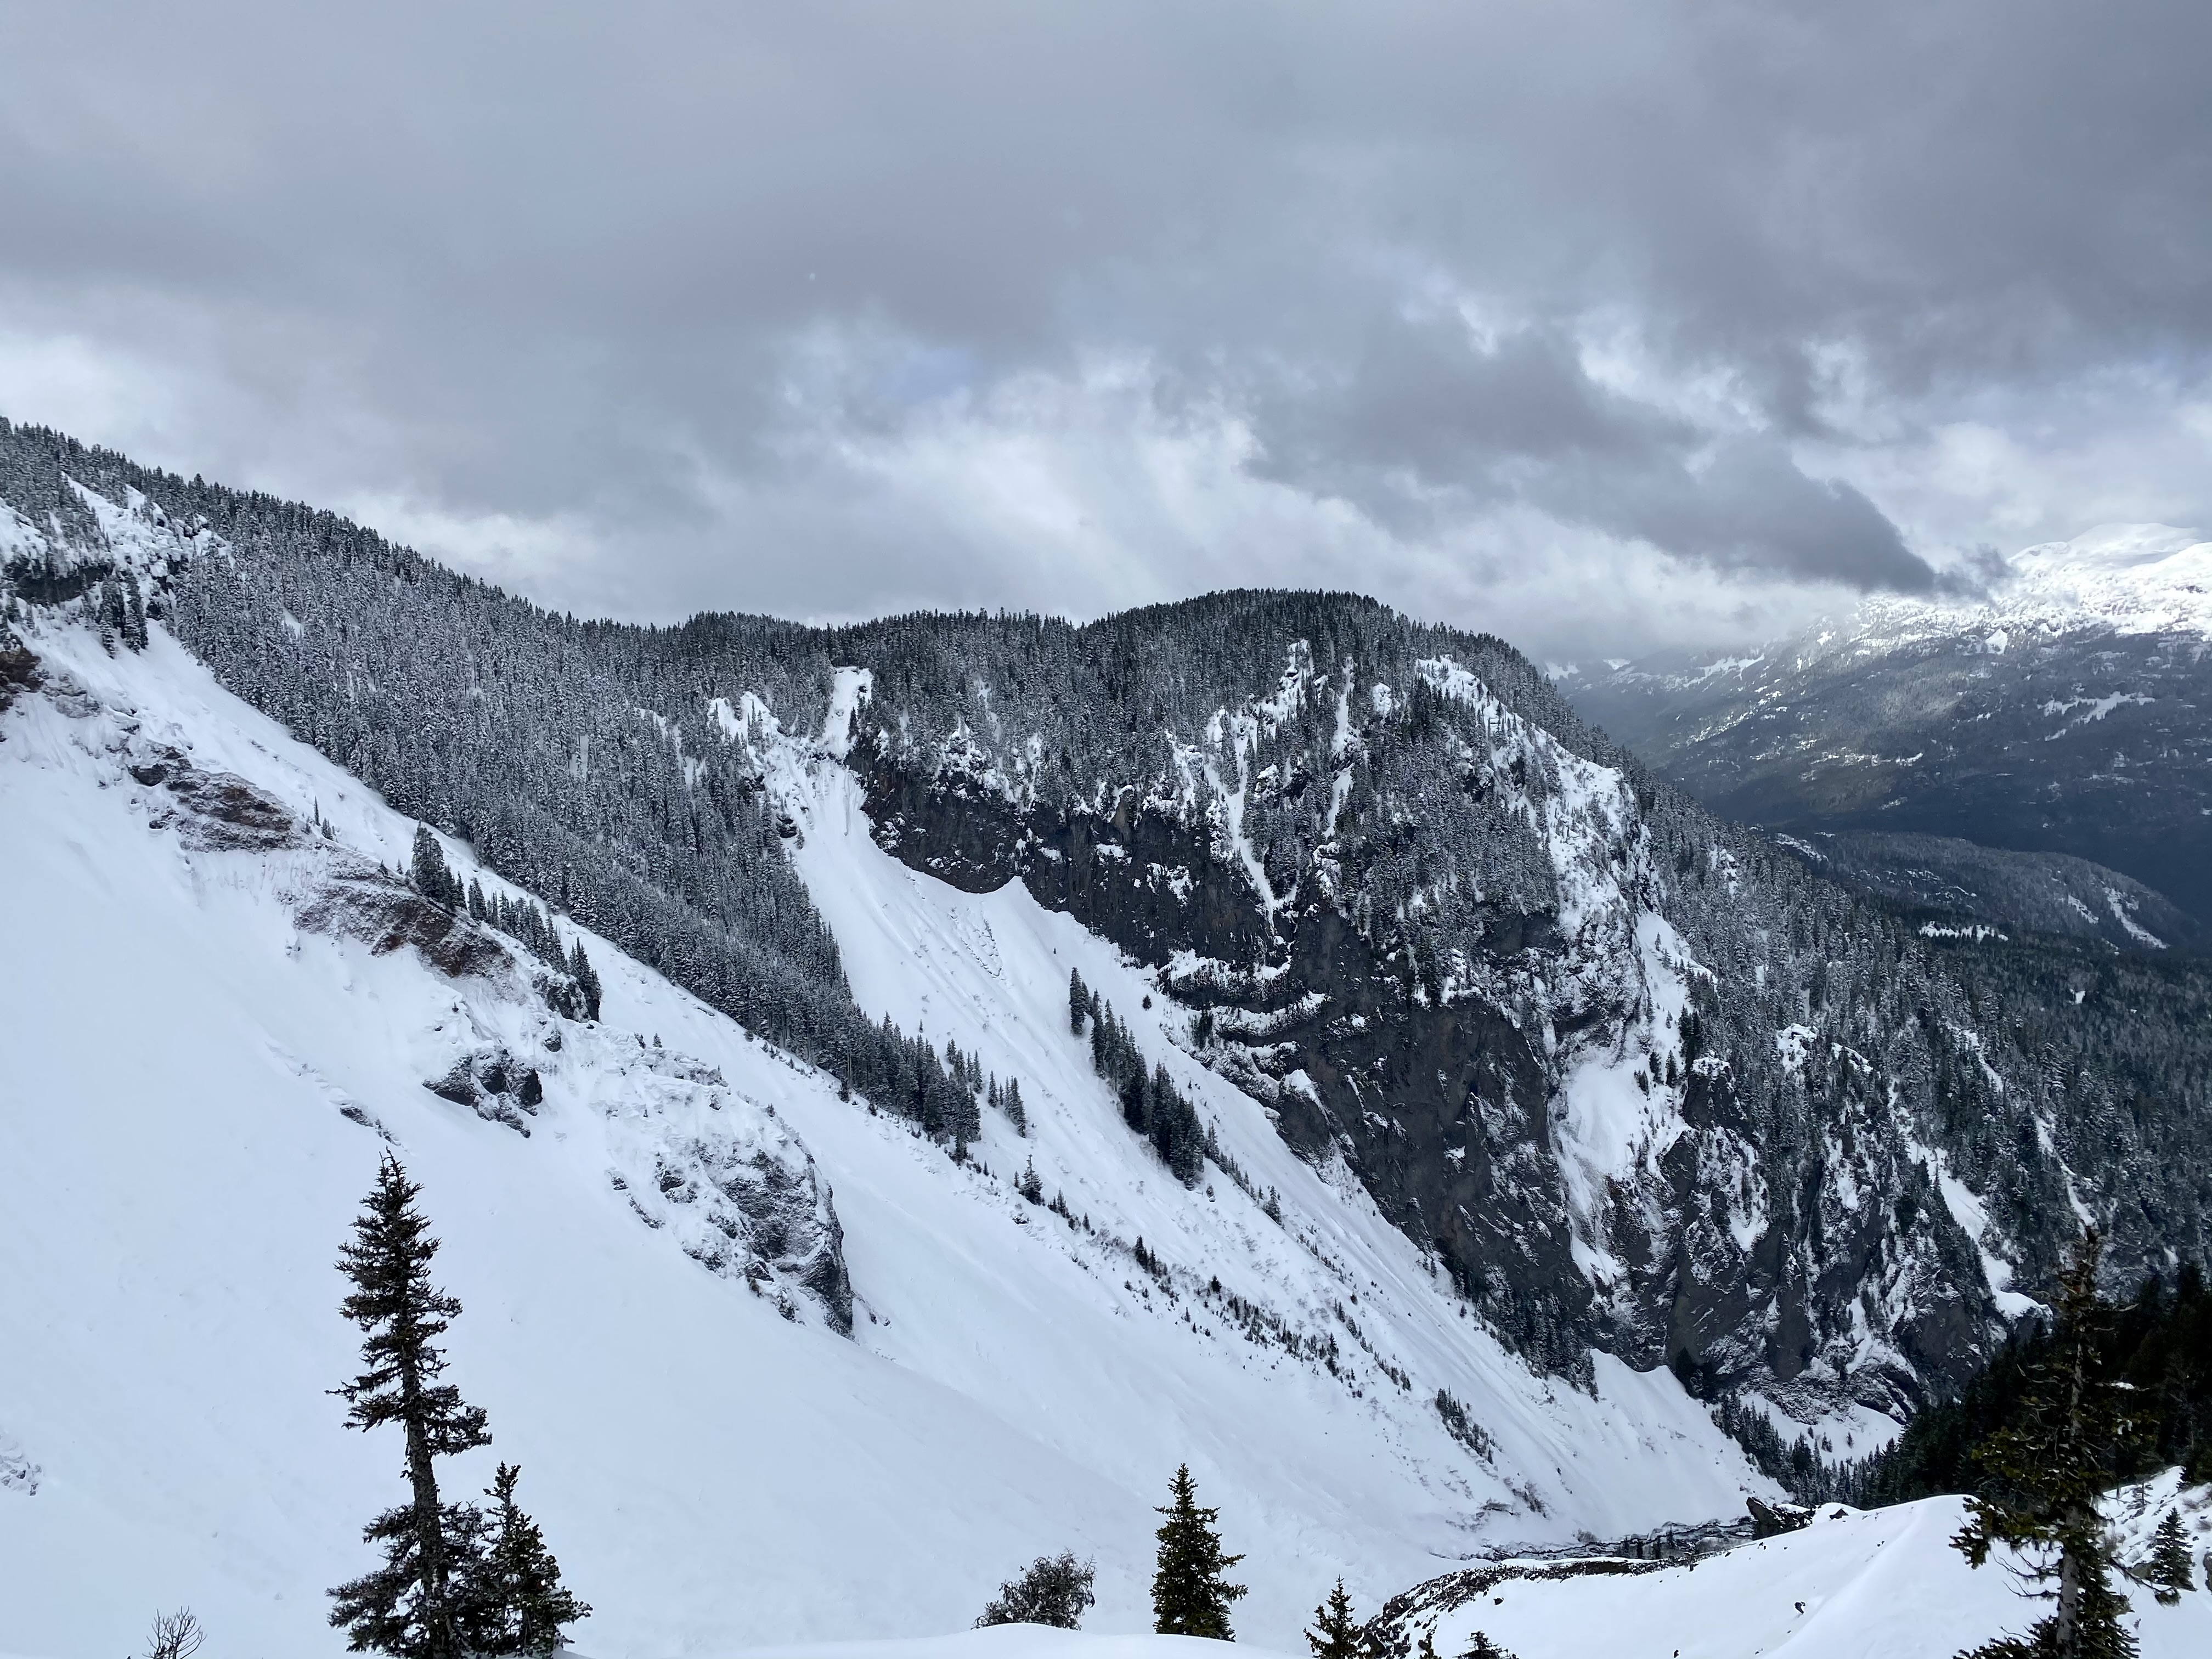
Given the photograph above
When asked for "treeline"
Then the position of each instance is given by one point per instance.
(2157, 1347)
(524, 919)
(1151, 1103)
(579, 760)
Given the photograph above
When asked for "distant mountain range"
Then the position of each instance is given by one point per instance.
(2068, 712)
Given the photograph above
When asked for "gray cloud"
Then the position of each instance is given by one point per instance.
(1428, 421)
(680, 304)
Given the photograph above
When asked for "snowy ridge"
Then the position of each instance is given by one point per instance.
(2131, 579)
(716, 1466)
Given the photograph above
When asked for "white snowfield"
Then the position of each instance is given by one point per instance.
(2129, 578)
(201, 1071)
(1876, 1584)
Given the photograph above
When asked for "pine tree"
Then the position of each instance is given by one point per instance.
(1336, 1634)
(517, 1603)
(427, 870)
(1078, 1002)
(407, 1606)
(2171, 1567)
(1191, 1592)
(1482, 1647)
(2050, 1464)
(580, 969)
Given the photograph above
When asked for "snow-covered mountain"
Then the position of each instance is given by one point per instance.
(221, 1008)
(1454, 1095)
(2064, 712)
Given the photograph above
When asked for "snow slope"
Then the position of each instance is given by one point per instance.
(198, 1083)
(1851, 1585)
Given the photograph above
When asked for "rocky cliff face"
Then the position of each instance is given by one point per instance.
(1638, 1082)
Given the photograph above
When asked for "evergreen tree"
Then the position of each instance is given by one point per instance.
(428, 869)
(580, 969)
(408, 1605)
(2050, 1464)
(1482, 1647)
(1078, 1002)
(1191, 1592)
(517, 1602)
(1336, 1634)
(2170, 1563)
(1054, 1589)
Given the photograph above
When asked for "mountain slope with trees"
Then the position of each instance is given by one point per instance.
(1637, 1081)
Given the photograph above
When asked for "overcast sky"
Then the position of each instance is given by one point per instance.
(1600, 323)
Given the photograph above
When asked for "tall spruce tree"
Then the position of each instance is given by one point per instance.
(2047, 1467)
(413, 1605)
(517, 1602)
(1336, 1634)
(1191, 1592)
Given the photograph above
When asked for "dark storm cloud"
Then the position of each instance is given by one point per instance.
(1428, 420)
(688, 288)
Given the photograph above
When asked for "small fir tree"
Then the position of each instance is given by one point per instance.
(2050, 1464)
(1482, 1647)
(1336, 1633)
(517, 1600)
(2171, 1567)
(408, 1605)
(1054, 1589)
(1078, 1002)
(1191, 1592)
